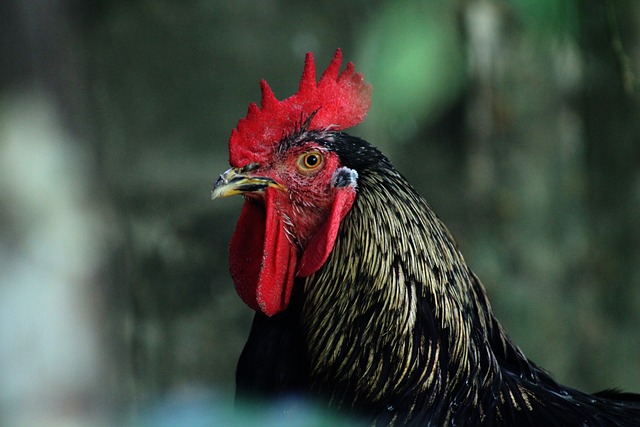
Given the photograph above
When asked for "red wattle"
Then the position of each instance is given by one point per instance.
(322, 242)
(245, 251)
(263, 262)
(261, 258)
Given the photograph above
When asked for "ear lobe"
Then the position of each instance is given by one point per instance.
(321, 244)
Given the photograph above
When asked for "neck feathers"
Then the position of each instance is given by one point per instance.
(398, 326)
(395, 305)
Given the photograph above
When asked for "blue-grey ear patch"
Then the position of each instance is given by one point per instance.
(345, 177)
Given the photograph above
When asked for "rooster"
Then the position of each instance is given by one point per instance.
(363, 301)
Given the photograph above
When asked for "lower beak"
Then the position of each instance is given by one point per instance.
(233, 182)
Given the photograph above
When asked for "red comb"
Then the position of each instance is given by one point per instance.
(340, 100)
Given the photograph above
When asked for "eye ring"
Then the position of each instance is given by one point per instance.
(310, 162)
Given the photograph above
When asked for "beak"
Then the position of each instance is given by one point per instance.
(235, 181)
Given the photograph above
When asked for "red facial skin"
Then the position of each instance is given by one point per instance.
(290, 232)
(309, 194)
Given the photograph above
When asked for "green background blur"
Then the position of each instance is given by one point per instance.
(518, 120)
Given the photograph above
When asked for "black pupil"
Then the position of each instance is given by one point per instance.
(312, 160)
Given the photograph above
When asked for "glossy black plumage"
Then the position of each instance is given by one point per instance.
(397, 330)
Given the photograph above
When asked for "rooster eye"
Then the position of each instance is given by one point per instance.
(309, 162)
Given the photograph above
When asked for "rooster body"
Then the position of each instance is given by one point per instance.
(376, 314)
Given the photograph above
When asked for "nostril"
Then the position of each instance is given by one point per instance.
(250, 167)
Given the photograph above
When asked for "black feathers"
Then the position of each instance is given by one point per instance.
(396, 329)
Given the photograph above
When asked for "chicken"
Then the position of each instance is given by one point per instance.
(363, 301)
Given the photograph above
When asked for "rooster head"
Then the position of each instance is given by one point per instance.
(297, 191)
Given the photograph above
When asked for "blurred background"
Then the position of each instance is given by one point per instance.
(519, 121)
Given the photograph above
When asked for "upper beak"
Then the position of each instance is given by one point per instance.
(235, 181)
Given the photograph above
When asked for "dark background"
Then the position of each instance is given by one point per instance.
(518, 120)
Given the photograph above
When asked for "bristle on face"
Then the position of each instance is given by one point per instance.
(339, 101)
